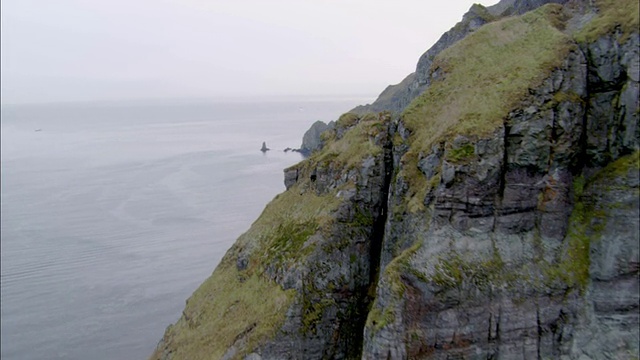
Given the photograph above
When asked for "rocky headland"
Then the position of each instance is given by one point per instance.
(487, 207)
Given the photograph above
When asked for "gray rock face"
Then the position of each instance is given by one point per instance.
(325, 323)
(311, 140)
(290, 177)
(613, 77)
(529, 249)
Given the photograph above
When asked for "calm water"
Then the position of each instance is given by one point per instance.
(113, 215)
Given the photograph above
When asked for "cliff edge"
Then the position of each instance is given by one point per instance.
(495, 216)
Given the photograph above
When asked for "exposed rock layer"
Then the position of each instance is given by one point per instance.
(500, 269)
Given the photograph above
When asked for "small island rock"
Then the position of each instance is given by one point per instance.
(264, 147)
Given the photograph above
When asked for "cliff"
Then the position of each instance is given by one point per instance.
(395, 98)
(496, 216)
(311, 140)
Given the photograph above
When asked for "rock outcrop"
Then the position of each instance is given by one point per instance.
(496, 217)
(312, 141)
(264, 147)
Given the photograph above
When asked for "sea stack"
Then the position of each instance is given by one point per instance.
(264, 147)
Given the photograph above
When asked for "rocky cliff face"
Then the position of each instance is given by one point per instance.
(496, 217)
(311, 140)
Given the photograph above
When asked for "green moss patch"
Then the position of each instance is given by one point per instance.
(379, 317)
(460, 154)
(587, 222)
(481, 12)
(618, 169)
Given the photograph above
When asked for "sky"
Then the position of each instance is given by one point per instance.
(90, 50)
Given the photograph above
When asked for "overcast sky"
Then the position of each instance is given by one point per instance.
(78, 50)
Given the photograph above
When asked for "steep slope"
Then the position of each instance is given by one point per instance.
(496, 217)
(395, 98)
(298, 284)
(500, 218)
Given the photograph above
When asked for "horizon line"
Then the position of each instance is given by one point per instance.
(199, 99)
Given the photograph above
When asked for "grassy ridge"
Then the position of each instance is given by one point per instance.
(484, 76)
(611, 14)
(356, 144)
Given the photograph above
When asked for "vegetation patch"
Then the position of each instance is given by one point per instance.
(379, 317)
(483, 13)
(460, 154)
(398, 266)
(452, 271)
(618, 169)
(359, 142)
(486, 75)
(363, 218)
(561, 97)
(294, 209)
(284, 243)
(418, 183)
(612, 15)
(228, 308)
(346, 120)
(586, 224)
(397, 139)
(573, 269)
(312, 312)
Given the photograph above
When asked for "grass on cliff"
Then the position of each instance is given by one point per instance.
(612, 14)
(485, 75)
(587, 223)
(245, 307)
(356, 144)
(294, 209)
(379, 317)
(227, 307)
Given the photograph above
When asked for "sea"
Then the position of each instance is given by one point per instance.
(112, 214)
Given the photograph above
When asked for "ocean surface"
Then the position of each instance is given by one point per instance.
(112, 215)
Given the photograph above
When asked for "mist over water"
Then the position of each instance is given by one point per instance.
(112, 215)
